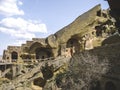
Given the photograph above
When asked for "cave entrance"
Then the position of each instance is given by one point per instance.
(40, 51)
(39, 82)
(43, 53)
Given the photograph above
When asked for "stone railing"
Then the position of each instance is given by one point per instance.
(30, 61)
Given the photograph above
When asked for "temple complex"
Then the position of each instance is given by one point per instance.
(86, 32)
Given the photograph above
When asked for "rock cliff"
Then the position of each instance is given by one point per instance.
(84, 69)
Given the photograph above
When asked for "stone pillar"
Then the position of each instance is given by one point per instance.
(55, 52)
(63, 49)
(13, 71)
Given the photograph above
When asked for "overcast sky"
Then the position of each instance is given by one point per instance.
(22, 20)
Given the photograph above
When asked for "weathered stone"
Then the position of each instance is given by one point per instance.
(86, 32)
(52, 41)
(93, 23)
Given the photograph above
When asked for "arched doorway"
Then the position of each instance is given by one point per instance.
(74, 45)
(14, 56)
(110, 86)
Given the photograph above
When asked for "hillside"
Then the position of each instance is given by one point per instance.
(90, 70)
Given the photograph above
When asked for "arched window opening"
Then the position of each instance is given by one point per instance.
(14, 56)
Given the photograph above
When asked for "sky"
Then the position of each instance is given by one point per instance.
(22, 20)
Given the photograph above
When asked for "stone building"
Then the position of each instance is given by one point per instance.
(84, 33)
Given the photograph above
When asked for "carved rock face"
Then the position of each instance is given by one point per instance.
(51, 40)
